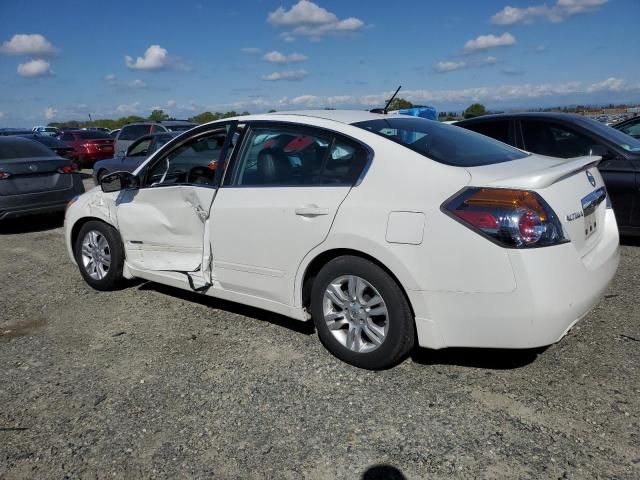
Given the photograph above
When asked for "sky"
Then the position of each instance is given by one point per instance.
(71, 59)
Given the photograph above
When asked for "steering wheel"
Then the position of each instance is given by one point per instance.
(201, 176)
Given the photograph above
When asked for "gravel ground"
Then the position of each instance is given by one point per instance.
(155, 382)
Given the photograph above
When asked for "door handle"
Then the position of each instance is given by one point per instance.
(311, 211)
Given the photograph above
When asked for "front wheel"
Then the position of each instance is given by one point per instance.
(100, 255)
(361, 314)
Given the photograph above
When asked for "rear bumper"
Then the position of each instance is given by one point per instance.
(88, 159)
(13, 206)
(555, 288)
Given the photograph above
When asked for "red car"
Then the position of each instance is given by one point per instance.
(91, 145)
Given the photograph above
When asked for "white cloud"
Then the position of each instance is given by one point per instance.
(137, 84)
(50, 113)
(556, 13)
(489, 61)
(540, 49)
(484, 42)
(155, 58)
(110, 78)
(611, 84)
(130, 108)
(277, 57)
(28, 44)
(35, 68)
(171, 103)
(443, 67)
(251, 50)
(290, 75)
(308, 19)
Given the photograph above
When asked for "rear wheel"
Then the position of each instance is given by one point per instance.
(361, 314)
(100, 255)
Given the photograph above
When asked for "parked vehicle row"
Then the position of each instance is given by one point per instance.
(563, 135)
(385, 230)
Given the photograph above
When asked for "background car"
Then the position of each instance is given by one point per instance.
(566, 135)
(384, 229)
(114, 133)
(51, 131)
(630, 127)
(137, 153)
(90, 145)
(133, 131)
(58, 146)
(33, 179)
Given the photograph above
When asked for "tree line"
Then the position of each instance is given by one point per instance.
(158, 115)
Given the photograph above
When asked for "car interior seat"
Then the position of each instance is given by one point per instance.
(273, 167)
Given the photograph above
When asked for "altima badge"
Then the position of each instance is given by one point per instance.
(591, 178)
(574, 216)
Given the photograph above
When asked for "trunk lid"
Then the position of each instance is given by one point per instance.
(573, 188)
(33, 175)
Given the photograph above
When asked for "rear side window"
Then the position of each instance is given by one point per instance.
(92, 134)
(498, 130)
(132, 132)
(443, 143)
(22, 148)
(554, 140)
(288, 157)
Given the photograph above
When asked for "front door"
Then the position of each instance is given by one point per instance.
(163, 222)
(278, 202)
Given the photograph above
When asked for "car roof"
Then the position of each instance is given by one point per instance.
(342, 116)
(572, 117)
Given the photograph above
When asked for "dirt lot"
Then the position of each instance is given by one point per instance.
(155, 382)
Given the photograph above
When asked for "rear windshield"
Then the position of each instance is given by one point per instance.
(443, 143)
(11, 148)
(133, 132)
(92, 134)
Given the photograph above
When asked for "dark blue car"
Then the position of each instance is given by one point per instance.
(137, 153)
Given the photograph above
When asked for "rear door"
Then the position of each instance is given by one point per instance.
(278, 202)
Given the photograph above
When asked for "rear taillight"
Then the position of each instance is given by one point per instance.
(68, 168)
(511, 218)
(4, 175)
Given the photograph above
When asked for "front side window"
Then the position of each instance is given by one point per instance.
(632, 129)
(554, 140)
(192, 163)
(443, 143)
(140, 149)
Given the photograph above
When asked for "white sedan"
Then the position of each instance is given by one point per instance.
(386, 230)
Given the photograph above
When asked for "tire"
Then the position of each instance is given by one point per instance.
(92, 262)
(382, 332)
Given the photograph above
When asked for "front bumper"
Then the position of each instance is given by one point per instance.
(555, 288)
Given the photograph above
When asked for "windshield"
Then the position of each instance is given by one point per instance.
(443, 143)
(629, 143)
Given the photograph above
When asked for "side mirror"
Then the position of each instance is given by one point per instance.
(116, 181)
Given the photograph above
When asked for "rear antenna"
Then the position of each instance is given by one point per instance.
(384, 110)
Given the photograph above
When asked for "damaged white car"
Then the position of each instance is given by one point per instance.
(385, 230)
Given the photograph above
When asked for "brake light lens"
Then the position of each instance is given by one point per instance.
(4, 175)
(68, 168)
(511, 218)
